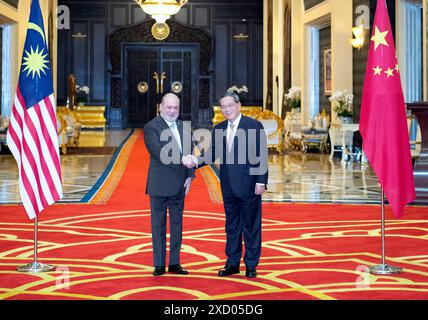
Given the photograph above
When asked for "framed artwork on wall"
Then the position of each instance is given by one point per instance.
(327, 72)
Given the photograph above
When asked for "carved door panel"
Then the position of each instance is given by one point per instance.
(140, 86)
(151, 72)
(179, 66)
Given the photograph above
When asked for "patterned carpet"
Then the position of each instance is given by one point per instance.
(310, 251)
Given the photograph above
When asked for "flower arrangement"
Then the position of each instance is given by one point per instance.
(4, 123)
(294, 97)
(241, 92)
(82, 93)
(343, 101)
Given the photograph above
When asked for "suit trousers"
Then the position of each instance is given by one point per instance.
(158, 208)
(243, 219)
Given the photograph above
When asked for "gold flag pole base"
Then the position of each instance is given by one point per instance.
(385, 269)
(36, 267)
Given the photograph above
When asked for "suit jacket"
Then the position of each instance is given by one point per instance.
(164, 179)
(245, 170)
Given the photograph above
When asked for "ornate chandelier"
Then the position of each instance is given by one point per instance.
(161, 10)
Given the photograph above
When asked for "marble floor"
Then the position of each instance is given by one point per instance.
(313, 177)
(293, 177)
(79, 172)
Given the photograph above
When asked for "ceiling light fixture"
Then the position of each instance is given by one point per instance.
(161, 10)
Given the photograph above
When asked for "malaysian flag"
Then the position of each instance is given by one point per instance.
(32, 135)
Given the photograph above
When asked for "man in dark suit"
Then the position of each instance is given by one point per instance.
(241, 145)
(168, 182)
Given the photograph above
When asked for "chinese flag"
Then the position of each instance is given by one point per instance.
(383, 123)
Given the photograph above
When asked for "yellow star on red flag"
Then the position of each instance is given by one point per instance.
(377, 71)
(379, 38)
(389, 72)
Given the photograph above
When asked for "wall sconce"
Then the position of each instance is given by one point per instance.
(161, 10)
(358, 41)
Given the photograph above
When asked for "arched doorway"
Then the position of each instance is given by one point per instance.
(143, 69)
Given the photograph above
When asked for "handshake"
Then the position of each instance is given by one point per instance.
(190, 161)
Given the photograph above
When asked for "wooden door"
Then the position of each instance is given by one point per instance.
(140, 86)
(154, 70)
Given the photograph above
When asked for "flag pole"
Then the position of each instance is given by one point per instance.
(35, 266)
(383, 268)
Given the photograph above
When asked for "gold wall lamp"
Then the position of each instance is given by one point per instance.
(358, 41)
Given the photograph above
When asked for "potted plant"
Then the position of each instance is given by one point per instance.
(82, 93)
(294, 99)
(343, 105)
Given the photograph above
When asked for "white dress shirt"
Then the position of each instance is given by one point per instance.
(173, 126)
(235, 126)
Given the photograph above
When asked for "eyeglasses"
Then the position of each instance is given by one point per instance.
(228, 106)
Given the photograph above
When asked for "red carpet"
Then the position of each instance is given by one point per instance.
(309, 251)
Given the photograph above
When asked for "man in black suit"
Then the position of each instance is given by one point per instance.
(241, 145)
(168, 182)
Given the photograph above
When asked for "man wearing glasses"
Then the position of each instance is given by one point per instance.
(240, 144)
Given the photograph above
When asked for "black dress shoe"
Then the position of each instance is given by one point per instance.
(228, 271)
(178, 269)
(251, 272)
(159, 271)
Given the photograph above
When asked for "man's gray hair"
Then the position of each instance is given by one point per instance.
(230, 94)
